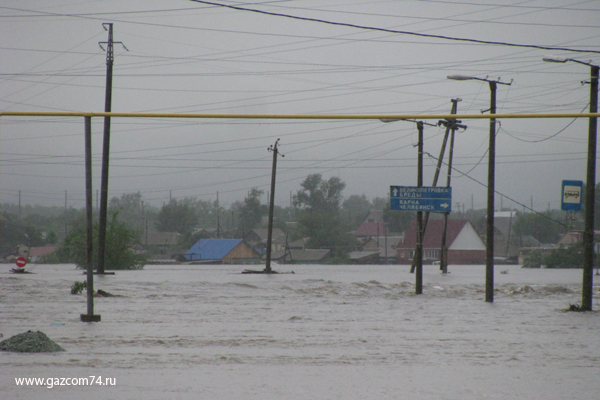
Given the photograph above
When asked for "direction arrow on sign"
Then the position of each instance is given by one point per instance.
(415, 198)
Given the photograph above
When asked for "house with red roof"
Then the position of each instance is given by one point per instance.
(372, 226)
(464, 244)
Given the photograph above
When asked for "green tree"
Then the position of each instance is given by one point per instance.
(319, 195)
(563, 257)
(354, 210)
(397, 221)
(325, 232)
(597, 206)
(319, 205)
(252, 211)
(542, 226)
(129, 208)
(208, 212)
(120, 243)
(178, 216)
(379, 203)
(15, 232)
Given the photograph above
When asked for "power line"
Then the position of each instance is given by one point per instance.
(372, 28)
(499, 193)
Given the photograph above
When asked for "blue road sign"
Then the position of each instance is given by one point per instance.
(572, 193)
(427, 198)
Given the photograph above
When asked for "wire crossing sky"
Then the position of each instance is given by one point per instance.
(343, 57)
(458, 39)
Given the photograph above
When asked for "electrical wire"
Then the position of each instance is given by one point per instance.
(499, 193)
(371, 28)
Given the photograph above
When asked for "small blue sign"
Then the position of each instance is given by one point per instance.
(572, 194)
(425, 198)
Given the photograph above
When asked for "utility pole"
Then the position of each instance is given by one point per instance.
(489, 226)
(66, 229)
(218, 216)
(489, 220)
(590, 197)
(89, 317)
(439, 166)
(453, 125)
(275, 151)
(105, 147)
(417, 261)
(418, 258)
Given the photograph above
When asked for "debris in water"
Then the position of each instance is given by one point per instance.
(78, 287)
(30, 342)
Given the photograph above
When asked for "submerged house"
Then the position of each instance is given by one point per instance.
(222, 251)
(380, 250)
(257, 238)
(373, 226)
(302, 256)
(463, 242)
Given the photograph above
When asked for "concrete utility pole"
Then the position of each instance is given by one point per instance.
(275, 151)
(590, 197)
(105, 148)
(439, 164)
(89, 317)
(489, 221)
(489, 226)
(452, 125)
(418, 258)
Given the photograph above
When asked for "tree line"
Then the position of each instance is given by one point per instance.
(318, 208)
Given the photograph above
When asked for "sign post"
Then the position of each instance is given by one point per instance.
(572, 193)
(420, 198)
(21, 262)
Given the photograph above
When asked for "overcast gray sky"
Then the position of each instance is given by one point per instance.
(190, 57)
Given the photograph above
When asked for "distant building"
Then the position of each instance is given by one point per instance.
(162, 247)
(364, 257)
(34, 254)
(383, 248)
(570, 238)
(297, 253)
(376, 244)
(222, 251)
(506, 242)
(257, 238)
(464, 243)
(372, 226)
(163, 240)
(302, 256)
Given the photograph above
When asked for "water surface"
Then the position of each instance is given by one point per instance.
(324, 332)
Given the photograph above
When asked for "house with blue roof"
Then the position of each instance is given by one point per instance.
(222, 251)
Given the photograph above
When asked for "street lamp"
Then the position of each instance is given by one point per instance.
(489, 228)
(590, 186)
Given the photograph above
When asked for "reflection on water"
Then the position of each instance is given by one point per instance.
(321, 324)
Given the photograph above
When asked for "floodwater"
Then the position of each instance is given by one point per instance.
(325, 332)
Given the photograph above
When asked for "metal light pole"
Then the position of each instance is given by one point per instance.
(489, 222)
(590, 185)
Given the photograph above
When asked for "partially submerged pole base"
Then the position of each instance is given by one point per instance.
(90, 318)
(259, 271)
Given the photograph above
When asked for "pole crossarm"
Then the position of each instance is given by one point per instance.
(293, 116)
